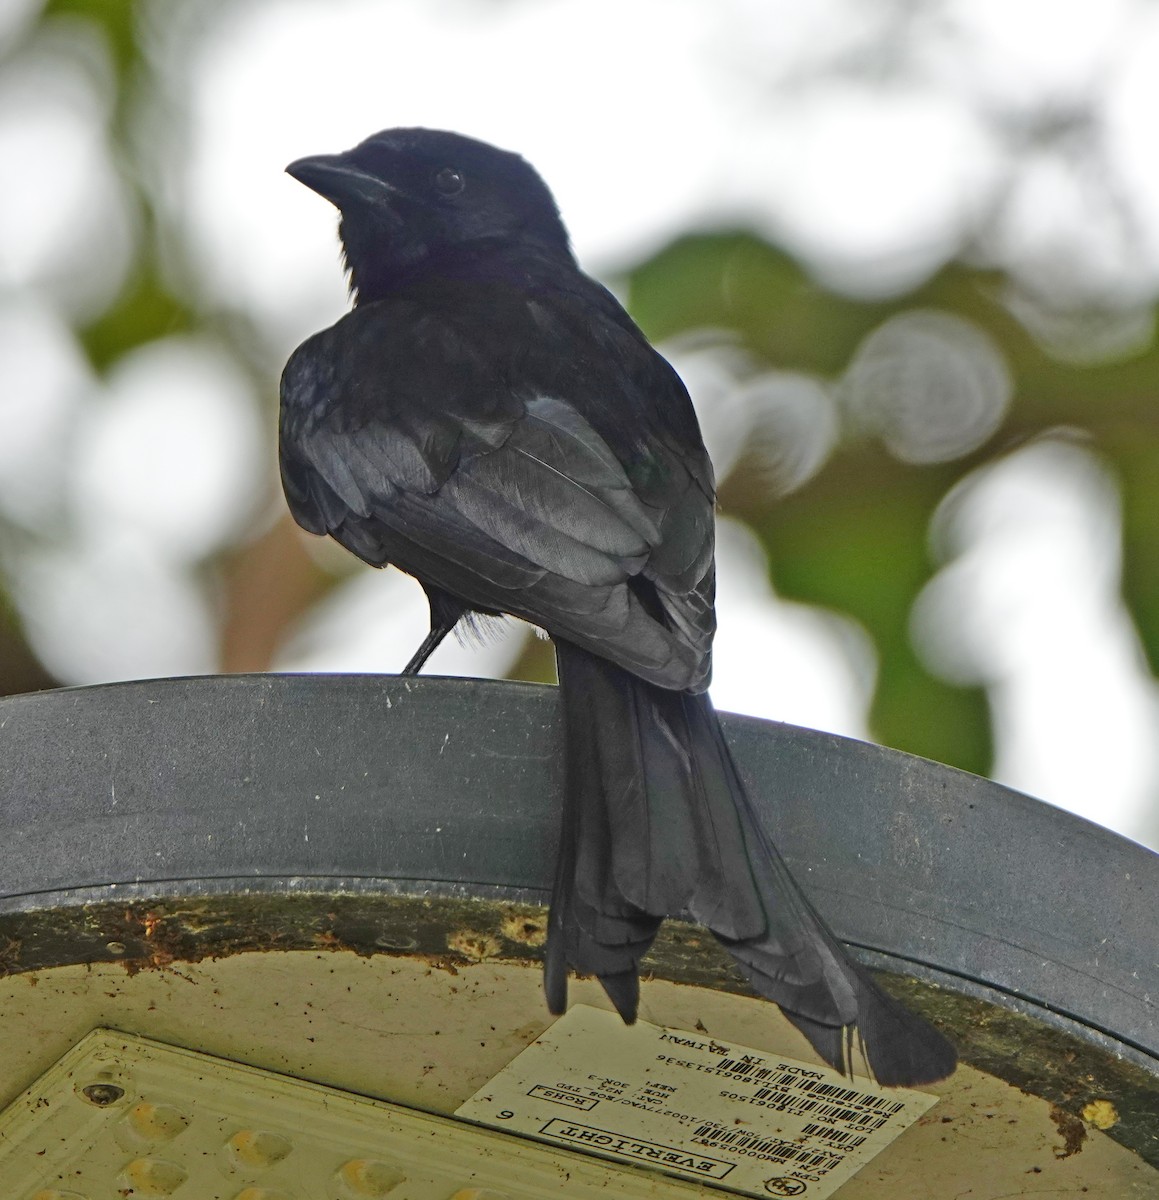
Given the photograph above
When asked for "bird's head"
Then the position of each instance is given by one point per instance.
(409, 197)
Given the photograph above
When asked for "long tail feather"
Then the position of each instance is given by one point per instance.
(658, 823)
(593, 928)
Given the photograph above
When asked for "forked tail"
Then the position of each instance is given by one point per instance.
(658, 823)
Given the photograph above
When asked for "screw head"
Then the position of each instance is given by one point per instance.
(102, 1094)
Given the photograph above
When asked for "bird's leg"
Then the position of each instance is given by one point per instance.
(429, 645)
(445, 614)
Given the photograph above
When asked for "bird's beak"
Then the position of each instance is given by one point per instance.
(340, 181)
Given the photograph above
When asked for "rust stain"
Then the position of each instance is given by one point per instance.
(1071, 1129)
(10, 956)
(527, 930)
(471, 944)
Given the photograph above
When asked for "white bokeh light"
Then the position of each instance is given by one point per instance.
(44, 378)
(174, 450)
(113, 608)
(1032, 56)
(780, 660)
(1029, 606)
(65, 225)
(932, 386)
(874, 188)
(1130, 107)
(784, 424)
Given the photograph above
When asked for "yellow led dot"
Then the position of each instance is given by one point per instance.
(369, 1177)
(258, 1149)
(156, 1122)
(153, 1177)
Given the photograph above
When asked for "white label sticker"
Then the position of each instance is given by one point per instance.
(746, 1120)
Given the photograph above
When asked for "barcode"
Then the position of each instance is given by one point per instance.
(800, 1105)
(784, 1102)
(847, 1141)
(740, 1138)
(751, 1070)
(832, 1092)
(849, 1116)
(774, 1079)
(774, 1148)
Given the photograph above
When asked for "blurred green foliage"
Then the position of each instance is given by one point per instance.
(856, 537)
(120, 24)
(145, 309)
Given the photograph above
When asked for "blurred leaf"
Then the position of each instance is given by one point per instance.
(20, 670)
(736, 281)
(1133, 449)
(116, 18)
(857, 542)
(144, 310)
(855, 538)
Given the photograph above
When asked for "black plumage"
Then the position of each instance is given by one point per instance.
(490, 420)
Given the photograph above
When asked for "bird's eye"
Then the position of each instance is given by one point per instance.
(449, 182)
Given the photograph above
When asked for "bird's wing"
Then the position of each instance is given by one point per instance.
(493, 480)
